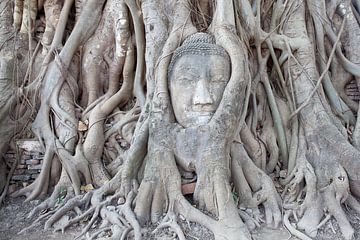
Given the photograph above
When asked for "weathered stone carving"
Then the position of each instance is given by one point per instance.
(198, 74)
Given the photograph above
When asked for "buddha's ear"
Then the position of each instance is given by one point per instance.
(224, 15)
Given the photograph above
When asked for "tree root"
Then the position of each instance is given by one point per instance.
(317, 202)
(74, 165)
(40, 185)
(252, 221)
(97, 233)
(71, 204)
(3, 190)
(254, 147)
(262, 186)
(61, 194)
(120, 216)
(170, 222)
(292, 229)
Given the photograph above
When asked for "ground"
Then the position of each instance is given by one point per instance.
(13, 217)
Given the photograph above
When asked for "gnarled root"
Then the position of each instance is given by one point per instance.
(62, 193)
(71, 204)
(317, 202)
(112, 209)
(254, 180)
(309, 208)
(163, 193)
(170, 222)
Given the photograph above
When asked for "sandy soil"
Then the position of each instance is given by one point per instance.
(13, 218)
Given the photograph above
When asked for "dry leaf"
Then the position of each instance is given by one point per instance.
(87, 188)
(83, 126)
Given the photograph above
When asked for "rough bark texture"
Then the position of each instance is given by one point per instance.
(132, 104)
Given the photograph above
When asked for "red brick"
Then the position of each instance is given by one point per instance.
(19, 171)
(32, 162)
(188, 188)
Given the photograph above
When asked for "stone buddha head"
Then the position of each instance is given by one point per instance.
(198, 74)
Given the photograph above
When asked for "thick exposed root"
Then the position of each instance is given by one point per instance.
(62, 193)
(52, 14)
(162, 193)
(318, 205)
(293, 230)
(4, 186)
(74, 165)
(255, 147)
(259, 183)
(70, 205)
(40, 185)
(170, 221)
(113, 210)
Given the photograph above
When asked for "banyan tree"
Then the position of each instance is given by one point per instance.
(131, 100)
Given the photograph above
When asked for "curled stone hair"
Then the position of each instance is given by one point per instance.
(198, 44)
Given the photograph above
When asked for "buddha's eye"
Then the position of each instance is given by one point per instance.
(219, 78)
(186, 79)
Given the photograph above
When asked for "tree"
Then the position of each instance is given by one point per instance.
(93, 85)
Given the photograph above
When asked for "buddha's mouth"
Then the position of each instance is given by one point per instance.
(203, 119)
(201, 113)
(205, 114)
(193, 119)
(202, 109)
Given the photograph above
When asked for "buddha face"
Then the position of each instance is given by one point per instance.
(197, 84)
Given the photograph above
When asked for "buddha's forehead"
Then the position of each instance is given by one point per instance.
(201, 63)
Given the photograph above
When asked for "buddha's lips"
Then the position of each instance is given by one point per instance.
(205, 114)
(204, 109)
(201, 113)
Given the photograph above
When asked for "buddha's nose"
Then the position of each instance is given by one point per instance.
(202, 95)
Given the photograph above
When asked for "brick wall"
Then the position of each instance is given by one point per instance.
(29, 164)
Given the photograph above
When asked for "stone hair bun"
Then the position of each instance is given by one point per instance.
(198, 44)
